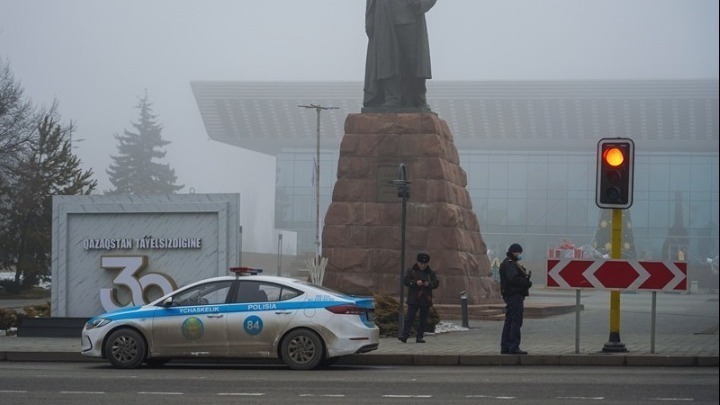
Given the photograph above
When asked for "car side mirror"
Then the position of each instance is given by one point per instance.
(168, 302)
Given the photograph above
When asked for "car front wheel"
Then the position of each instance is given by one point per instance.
(125, 348)
(302, 349)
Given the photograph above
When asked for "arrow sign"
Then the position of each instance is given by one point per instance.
(617, 274)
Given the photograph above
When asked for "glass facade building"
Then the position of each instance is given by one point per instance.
(528, 149)
(540, 199)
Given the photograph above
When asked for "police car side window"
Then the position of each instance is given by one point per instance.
(269, 292)
(205, 294)
(277, 292)
(251, 291)
(288, 294)
(217, 296)
(272, 291)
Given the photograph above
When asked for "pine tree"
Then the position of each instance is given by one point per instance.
(603, 235)
(135, 170)
(49, 169)
(675, 246)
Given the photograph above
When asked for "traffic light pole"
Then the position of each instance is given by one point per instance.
(403, 190)
(614, 190)
(614, 344)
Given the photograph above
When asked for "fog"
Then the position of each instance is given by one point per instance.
(96, 58)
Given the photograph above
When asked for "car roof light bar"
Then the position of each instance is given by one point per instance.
(245, 271)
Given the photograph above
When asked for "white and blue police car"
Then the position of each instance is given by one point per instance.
(243, 316)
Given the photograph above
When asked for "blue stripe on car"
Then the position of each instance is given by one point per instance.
(145, 312)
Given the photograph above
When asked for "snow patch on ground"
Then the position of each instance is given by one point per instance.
(445, 327)
(9, 275)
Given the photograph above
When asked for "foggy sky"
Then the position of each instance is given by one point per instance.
(96, 58)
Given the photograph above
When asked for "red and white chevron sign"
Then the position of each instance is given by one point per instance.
(617, 274)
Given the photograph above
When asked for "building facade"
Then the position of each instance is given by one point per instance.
(528, 148)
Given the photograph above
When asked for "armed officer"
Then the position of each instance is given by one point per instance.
(420, 280)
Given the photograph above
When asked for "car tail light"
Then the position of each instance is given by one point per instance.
(346, 309)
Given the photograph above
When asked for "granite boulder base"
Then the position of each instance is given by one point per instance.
(362, 231)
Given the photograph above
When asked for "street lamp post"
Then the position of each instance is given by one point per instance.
(403, 191)
(318, 109)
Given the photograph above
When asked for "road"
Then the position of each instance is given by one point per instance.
(90, 383)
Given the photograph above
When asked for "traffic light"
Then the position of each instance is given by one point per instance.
(615, 161)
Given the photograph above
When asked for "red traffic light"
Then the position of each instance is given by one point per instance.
(614, 185)
(613, 156)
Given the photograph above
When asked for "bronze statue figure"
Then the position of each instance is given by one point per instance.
(398, 54)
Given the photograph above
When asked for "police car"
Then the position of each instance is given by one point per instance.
(243, 316)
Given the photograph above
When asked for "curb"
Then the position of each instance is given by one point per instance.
(606, 360)
(46, 357)
(533, 360)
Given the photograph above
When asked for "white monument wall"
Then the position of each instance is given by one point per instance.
(116, 251)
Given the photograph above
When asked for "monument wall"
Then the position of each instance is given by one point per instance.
(110, 252)
(362, 230)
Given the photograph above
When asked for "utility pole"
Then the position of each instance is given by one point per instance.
(318, 110)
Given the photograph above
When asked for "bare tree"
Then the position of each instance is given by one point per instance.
(17, 123)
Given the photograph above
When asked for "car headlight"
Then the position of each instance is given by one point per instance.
(97, 323)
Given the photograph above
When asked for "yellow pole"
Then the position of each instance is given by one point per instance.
(614, 344)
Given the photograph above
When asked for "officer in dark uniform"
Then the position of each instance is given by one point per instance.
(420, 280)
(514, 286)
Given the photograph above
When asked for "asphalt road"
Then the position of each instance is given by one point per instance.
(89, 383)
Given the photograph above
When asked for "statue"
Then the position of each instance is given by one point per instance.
(398, 54)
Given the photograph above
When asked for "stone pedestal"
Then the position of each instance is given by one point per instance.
(362, 232)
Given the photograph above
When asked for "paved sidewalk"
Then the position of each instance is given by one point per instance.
(686, 334)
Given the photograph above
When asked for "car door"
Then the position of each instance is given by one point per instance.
(194, 322)
(262, 311)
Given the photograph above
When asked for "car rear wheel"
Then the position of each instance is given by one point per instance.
(302, 349)
(125, 348)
